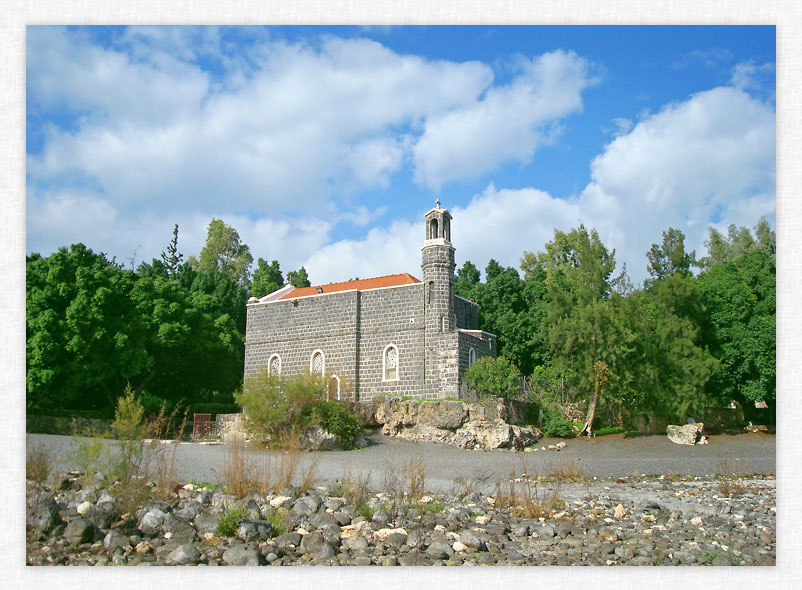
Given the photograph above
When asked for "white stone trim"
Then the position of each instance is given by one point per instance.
(270, 363)
(397, 363)
(260, 302)
(323, 364)
(481, 334)
(274, 296)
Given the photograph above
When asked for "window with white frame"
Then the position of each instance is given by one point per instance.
(275, 366)
(471, 356)
(317, 364)
(390, 363)
(334, 388)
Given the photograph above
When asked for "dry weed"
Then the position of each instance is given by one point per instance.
(164, 454)
(524, 499)
(564, 472)
(415, 473)
(38, 463)
(464, 486)
(238, 469)
(730, 476)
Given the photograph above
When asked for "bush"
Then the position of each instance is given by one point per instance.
(556, 425)
(278, 410)
(336, 419)
(494, 378)
(274, 405)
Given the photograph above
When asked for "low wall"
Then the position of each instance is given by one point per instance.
(35, 424)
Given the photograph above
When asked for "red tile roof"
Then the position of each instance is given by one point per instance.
(361, 284)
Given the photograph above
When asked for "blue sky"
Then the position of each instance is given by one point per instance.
(323, 146)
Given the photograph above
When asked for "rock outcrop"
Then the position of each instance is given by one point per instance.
(490, 424)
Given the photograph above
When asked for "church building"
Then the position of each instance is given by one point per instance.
(392, 335)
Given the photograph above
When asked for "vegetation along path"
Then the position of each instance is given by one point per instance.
(614, 455)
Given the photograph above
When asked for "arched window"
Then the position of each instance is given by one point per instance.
(433, 230)
(431, 292)
(333, 391)
(390, 363)
(471, 356)
(275, 366)
(317, 364)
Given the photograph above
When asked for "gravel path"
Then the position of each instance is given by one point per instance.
(607, 456)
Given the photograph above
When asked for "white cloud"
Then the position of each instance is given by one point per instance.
(709, 160)
(156, 131)
(507, 123)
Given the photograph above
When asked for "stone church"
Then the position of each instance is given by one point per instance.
(392, 335)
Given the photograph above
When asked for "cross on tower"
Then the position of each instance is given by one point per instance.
(437, 202)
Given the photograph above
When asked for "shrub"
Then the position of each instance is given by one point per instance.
(556, 425)
(129, 417)
(279, 409)
(274, 406)
(494, 377)
(336, 419)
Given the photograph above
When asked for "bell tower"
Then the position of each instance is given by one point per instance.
(438, 272)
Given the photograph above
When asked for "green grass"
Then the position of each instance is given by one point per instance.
(229, 520)
(434, 507)
(609, 430)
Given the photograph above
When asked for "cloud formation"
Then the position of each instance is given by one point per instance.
(709, 158)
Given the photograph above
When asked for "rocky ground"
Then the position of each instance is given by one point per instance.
(665, 520)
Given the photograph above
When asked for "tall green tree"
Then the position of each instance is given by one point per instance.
(224, 252)
(741, 312)
(585, 332)
(172, 258)
(85, 338)
(670, 258)
(298, 278)
(266, 278)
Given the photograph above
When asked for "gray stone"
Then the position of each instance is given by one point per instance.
(185, 554)
(79, 530)
(42, 513)
(355, 543)
(250, 530)
(243, 555)
(206, 522)
(315, 545)
(152, 521)
(439, 549)
(115, 539)
(288, 542)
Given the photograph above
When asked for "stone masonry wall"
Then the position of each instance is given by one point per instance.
(484, 346)
(467, 314)
(352, 329)
(295, 331)
(392, 316)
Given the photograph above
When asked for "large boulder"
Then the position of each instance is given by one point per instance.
(481, 434)
(687, 434)
(41, 509)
